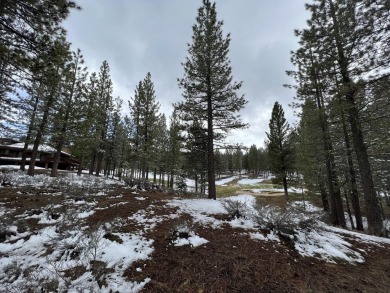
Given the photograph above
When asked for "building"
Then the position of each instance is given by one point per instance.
(11, 154)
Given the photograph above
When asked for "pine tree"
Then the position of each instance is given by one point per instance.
(348, 40)
(196, 146)
(262, 157)
(162, 147)
(174, 159)
(310, 152)
(253, 160)
(102, 91)
(30, 110)
(84, 136)
(280, 147)
(51, 77)
(74, 77)
(144, 113)
(115, 138)
(208, 88)
(27, 29)
(237, 160)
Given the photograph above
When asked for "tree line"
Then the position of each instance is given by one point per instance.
(48, 96)
(342, 93)
(340, 146)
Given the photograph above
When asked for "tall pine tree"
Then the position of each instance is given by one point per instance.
(208, 88)
(280, 147)
(145, 116)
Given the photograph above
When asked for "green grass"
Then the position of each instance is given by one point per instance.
(229, 190)
(232, 188)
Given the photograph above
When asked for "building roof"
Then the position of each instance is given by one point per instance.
(44, 148)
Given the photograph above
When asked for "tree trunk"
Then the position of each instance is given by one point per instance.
(210, 151)
(41, 129)
(337, 216)
(143, 169)
(349, 210)
(336, 206)
(92, 163)
(80, 168)
(60, 144)
(352, 179)
(373, 210)
(99, 162)
(57, 156)
(196, 182)
(113, 170)
(29, 131)
(285, 187)
(171, 179)
(324, 196)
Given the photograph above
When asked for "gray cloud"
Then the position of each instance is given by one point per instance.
(139, 36)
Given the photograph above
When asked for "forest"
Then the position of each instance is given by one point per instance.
(339, 147)
(338, 154)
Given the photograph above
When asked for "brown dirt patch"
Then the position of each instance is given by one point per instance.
(229, 262)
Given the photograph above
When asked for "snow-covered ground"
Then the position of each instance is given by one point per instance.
(20, 179)
(290, 189)
(15, 167)
(322, 241)
(36, 258)
(225, 180)
(243, 181)
(247, 181)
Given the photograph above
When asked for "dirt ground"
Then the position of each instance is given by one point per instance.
(229, 262)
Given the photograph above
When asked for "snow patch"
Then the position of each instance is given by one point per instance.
(192, 240)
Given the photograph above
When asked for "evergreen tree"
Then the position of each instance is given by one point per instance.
(280, 147)
(237, 160)
(253, 160)
(144, 113)
(74, 77)
(347, 41)
(51, 77)
(174, 148)
(208, 87)
(29, 111)
(27, 30)
(262, 157)
(219, 163)
(104, 102)
(161, 148)
(310, 152)
(196, 145)
(115, 137)
(84, 135)
(312, 85)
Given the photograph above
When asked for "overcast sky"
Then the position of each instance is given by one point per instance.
(141, 36)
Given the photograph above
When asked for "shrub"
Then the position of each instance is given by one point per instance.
(285, 221)
(180, 182)
(6, 178)
(235, 208)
